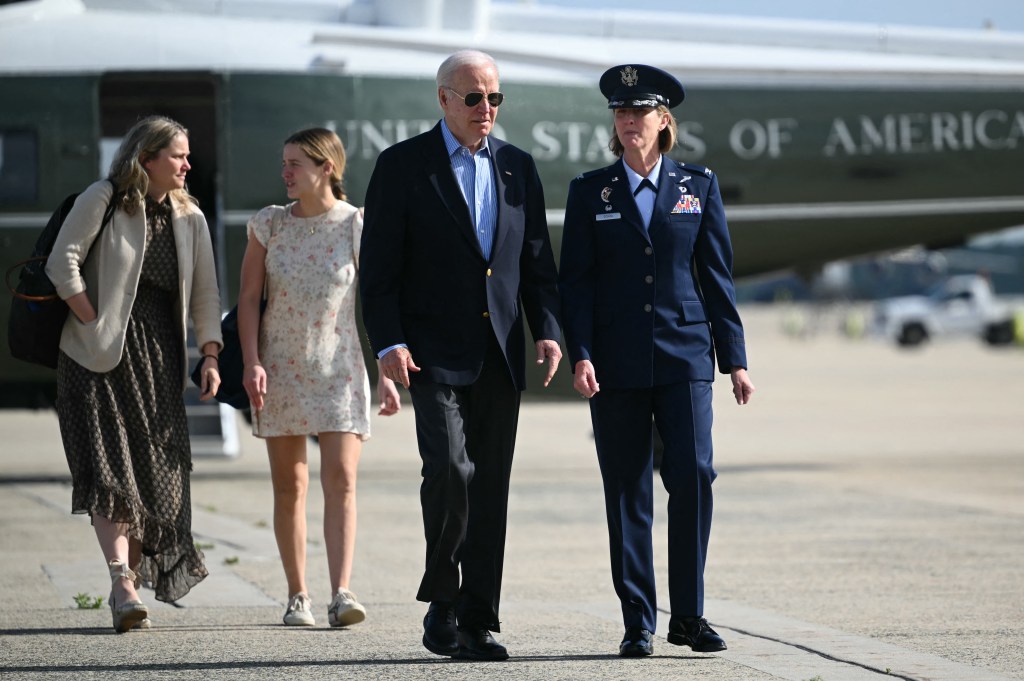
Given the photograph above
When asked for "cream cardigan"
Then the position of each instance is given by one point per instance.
(110, 274)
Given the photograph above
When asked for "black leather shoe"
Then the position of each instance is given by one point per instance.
(439, 634)
(696, 633)
(636, 643)
(479, 645)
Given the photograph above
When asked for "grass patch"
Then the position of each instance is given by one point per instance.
(86, 602)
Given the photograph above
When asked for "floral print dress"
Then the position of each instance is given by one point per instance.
(308, 343)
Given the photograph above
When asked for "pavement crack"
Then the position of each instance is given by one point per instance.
(832, 658)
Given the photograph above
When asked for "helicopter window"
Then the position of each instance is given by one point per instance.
(19, 167)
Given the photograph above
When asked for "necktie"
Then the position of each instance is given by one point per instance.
(645, 183)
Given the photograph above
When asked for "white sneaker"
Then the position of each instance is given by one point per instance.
(298, 613)
(345, 610)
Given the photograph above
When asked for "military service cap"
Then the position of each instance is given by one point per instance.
(637, 85)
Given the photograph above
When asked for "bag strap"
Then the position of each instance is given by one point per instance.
(18, 294)
(276, 218)
(355, 256)
(108, 214)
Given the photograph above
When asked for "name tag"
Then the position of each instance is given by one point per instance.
(607, 216)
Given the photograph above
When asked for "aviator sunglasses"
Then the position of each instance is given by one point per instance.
(473, 98)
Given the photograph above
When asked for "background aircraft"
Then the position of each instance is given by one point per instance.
(830, 139)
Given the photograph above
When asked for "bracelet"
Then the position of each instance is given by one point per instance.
(212, 357)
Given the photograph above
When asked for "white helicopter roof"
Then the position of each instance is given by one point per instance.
(531, 43)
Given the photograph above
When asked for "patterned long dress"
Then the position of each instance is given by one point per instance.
(125, 433)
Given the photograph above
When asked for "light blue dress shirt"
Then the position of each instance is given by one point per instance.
(475, 176)
(645, 199)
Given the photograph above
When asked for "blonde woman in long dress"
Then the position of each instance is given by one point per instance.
(122, 367)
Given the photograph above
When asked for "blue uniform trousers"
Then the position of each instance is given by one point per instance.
(622, 422)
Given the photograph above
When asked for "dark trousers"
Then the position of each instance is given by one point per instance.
(622, 422)
(466, 436)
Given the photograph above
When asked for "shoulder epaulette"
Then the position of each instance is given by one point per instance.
(693, 168)
(591, 173)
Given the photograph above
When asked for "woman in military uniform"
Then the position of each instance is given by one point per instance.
(648, 304)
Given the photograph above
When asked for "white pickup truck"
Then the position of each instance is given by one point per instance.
(962, 305)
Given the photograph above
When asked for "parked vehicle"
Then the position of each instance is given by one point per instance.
(963, 305)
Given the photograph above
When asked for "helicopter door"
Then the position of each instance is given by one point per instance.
(190, 99)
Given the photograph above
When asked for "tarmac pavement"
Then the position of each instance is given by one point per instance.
(868, 525)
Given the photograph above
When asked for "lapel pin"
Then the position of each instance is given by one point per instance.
(606, 193)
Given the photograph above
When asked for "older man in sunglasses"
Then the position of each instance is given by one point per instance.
(455, 252)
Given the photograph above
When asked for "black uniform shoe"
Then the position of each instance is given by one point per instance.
(636, 643)
(479, 645)
(696, 633)
(439, 635)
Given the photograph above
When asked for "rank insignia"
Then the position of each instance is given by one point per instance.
(687, 204)
(606, 193)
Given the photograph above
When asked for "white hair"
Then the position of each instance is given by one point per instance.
(449, 66)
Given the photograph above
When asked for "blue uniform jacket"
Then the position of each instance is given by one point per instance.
(649, 306)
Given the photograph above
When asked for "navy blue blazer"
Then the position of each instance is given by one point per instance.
(423, 278)
(649, 306)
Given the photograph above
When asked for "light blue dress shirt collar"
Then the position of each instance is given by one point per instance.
(635, 179)
(453, 144)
